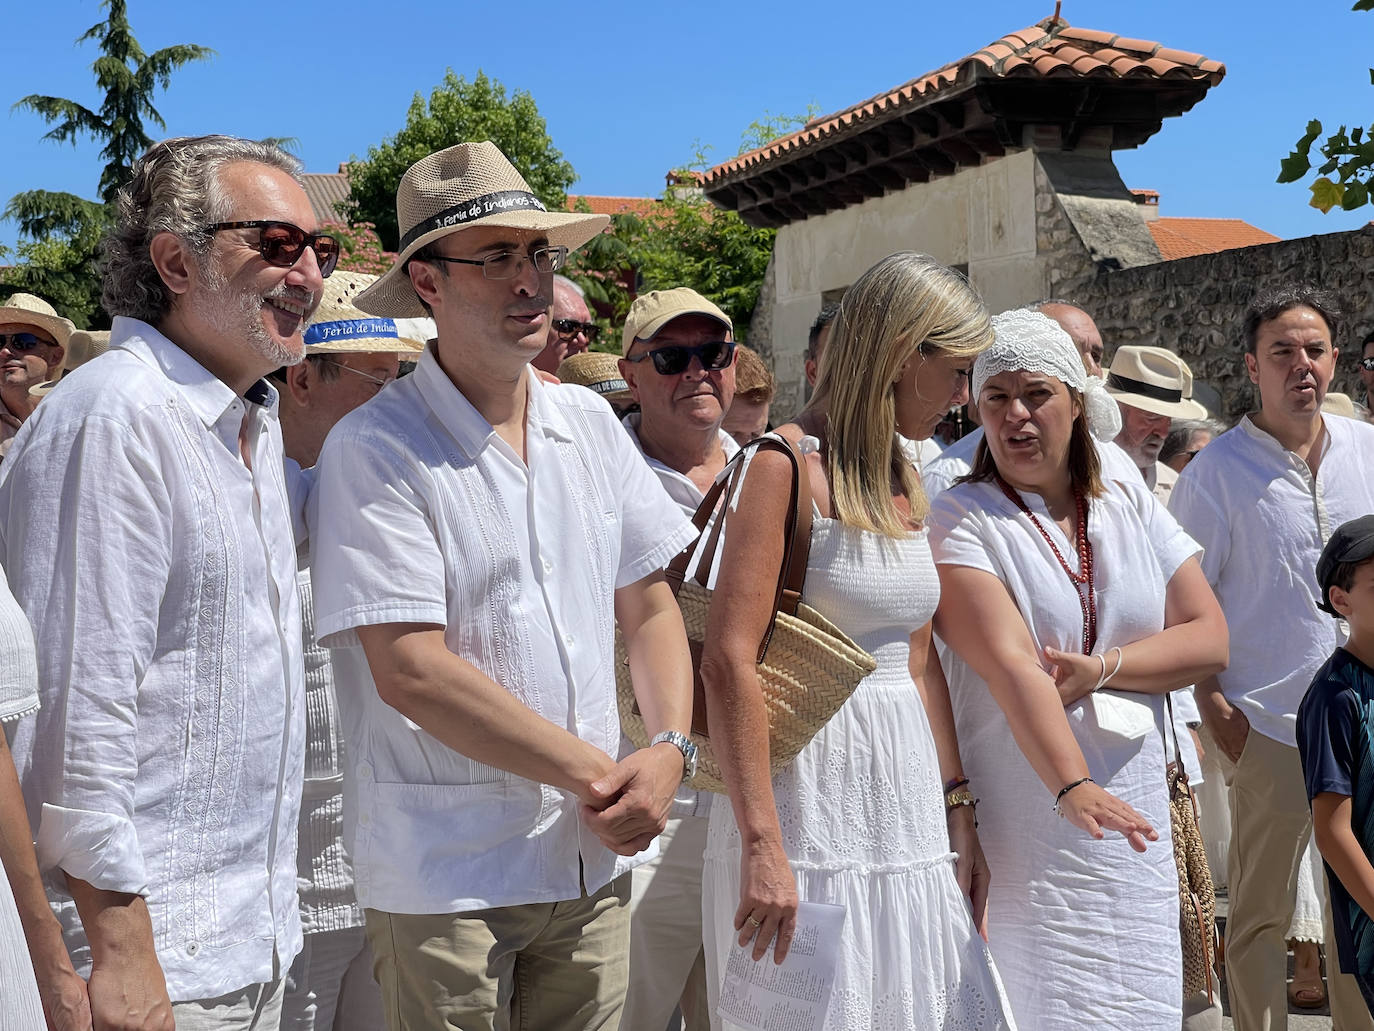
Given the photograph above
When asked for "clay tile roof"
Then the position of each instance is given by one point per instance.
(614, 205)
(1053, 49)
(1186, 237)
(323, 189)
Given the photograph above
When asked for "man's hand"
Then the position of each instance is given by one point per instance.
(66, 1006)
(1228, 725)
(629, 806)
(130, 994)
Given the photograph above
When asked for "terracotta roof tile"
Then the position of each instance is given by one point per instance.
(324, 189)
(1187, 237)
(614, 205)
(1051, 49)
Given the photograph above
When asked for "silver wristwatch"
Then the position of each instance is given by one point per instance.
(684, 745)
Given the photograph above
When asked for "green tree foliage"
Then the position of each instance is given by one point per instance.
(62, 230)
(457, 111)
(1346, 154)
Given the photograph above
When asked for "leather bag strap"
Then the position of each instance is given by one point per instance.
(797, 530)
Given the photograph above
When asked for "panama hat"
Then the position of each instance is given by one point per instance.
(654, 310)
(1337, 403)
(1153, 380)
(82, 346)
(599, 371)
(34, 311)
(464, 187)
(339, 327)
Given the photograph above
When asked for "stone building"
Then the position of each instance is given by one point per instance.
(999, 164)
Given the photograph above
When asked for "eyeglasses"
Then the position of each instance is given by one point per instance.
(381, 381)
(673, 359)
(1367, 364)
(507, 264)
(21, 343)
(571, 327)
(282, 244)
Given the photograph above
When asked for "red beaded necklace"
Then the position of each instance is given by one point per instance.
(1087, 599)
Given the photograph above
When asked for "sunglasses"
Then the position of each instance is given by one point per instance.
(282, 244)
(1367, 364)
(673, 359)
(20, 343)
(571, 327)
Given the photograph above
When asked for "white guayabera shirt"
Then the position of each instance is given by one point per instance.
(158, 572)
(422, 514)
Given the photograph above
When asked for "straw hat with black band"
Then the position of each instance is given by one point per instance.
(1154, 380)
(339, 327)
(599, 371)
(465, 187)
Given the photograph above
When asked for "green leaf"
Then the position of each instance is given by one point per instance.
(1363, 5)
(1356, 195)
(1293, 167)
(1326, 194)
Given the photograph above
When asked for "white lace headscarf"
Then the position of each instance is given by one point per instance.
(1031, 341)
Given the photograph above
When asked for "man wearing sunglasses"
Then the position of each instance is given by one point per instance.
(571, 329)
(33, 344)
(480, 534)
(1367, 371)
(145, 529)
(680, 366)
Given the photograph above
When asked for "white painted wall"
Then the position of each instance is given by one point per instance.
(980, 217)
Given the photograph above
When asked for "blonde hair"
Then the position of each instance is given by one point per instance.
(908, 301)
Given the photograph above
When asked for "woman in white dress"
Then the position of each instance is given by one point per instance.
(860, 818)
(63, 990)
(1072, 603)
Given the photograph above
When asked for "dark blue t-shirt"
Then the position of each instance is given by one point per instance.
(1336, 743)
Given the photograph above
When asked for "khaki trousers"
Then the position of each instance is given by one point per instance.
(1270, 826)
(546, 966)
(667, 962)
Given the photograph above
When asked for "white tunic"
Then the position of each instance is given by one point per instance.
(1084, 932)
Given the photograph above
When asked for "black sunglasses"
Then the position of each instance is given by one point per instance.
(20, 343)
(670, 360)
(1367, 364)
(282, 244)
(571, 327)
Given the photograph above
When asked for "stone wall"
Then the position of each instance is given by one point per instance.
(1194, 306)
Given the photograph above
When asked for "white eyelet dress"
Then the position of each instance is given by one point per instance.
(863, 816)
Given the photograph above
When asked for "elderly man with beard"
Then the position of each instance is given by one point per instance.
(1153, 387)
(145, 529)
(1262, 500)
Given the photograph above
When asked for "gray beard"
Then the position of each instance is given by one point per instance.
(241, 314)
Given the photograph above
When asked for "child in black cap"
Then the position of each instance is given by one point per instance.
(1336, 743)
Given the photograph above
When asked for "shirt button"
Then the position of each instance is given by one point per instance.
(568, 639)
(548, 566)
(193, 949)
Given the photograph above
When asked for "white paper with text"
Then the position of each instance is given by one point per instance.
(793, 995)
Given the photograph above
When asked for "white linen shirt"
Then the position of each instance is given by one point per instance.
(1262, 520)
(158, 572)
(421, 513)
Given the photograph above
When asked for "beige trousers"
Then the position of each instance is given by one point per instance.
(1270, 826)
(667, 962)
(546, 966)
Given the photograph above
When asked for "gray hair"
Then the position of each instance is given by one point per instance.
(175, 189)
(1180, 437)
(565, 281)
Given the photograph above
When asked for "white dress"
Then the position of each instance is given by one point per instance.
(20, 1009)
(863, 816)
(1084, 932)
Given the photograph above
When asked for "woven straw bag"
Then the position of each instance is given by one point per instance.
(807, 667)
(1197, 900)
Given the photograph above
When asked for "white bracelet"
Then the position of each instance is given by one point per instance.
(1102, 678)
(1120, 657)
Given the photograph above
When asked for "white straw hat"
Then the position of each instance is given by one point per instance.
(339, 327)
(1154, 380)
(34, 311)
(459, 188)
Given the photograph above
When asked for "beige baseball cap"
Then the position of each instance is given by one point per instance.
(654, 310)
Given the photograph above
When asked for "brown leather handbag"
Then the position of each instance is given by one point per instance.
(807, 667)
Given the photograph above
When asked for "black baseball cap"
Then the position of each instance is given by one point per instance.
(1352, 542)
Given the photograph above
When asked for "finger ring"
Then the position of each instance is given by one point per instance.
(752, 922)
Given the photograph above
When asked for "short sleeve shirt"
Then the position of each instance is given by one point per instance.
(1335, 720)
(421, 513)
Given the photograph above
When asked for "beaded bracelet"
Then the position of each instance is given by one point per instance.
(1066, 789)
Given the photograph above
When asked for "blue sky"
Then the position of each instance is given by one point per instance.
(628, 90)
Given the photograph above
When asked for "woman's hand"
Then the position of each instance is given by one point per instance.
(767, 900)
(1075, 675)
(1090, 808)
(971, 868)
